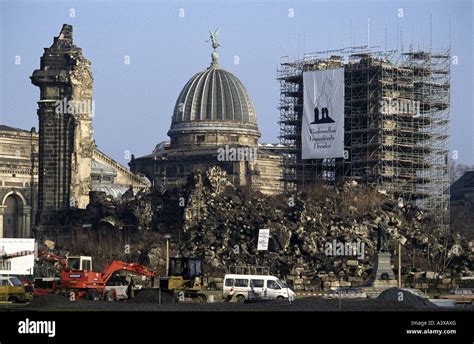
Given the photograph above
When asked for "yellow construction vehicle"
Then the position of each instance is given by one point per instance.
(185, 280)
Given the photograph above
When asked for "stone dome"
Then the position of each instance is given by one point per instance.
(214, 100)
(214, 95)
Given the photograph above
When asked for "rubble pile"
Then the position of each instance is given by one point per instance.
(222, 225)
(212, 220)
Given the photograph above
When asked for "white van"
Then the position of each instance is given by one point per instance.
(264, 286)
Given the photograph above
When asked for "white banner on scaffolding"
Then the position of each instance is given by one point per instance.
(322, 133)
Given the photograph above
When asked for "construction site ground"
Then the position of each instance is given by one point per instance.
(313, 304)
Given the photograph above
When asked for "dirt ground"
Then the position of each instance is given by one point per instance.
(61, 303)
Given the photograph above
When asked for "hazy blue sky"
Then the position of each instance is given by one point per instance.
(134, 102)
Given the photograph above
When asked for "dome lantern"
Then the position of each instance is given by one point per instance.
(216, 103)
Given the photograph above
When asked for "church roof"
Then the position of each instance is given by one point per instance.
(101, 168)
(7, 128)
(214, 95)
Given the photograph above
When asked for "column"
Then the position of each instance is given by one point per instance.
(2, 210)
(19, 225)
(27, 221)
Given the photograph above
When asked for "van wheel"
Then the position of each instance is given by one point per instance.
(13, 299)
(240, 298)
(280, 297)
(109, 296)
(92, 295)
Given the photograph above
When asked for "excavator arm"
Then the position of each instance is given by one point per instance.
(53, 258)
(136, 268)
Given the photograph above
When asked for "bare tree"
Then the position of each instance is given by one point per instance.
(456, 170)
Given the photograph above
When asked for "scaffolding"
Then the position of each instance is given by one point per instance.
(395, 123)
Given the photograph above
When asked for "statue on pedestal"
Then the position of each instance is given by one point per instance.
(383, 236)
(382, 275)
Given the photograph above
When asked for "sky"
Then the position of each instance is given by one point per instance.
(165, 45)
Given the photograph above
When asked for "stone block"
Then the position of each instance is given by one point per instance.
(352, 262)
(345, 284)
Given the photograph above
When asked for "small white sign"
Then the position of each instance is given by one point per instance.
(263, 236)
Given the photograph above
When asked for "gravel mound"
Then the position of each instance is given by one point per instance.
(393, 295)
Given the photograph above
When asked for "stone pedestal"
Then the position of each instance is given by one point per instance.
(383, 276)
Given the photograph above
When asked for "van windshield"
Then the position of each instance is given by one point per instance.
(280, 283)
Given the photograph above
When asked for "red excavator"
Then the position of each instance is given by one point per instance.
(79, 280)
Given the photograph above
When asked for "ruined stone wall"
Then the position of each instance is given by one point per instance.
(65, 127)
(80, 78)
(269, 177)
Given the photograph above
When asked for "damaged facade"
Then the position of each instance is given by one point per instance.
(66, 143)
(55, 170)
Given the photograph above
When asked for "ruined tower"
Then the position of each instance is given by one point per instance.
(65, 127)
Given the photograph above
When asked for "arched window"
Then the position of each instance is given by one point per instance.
(11, 217)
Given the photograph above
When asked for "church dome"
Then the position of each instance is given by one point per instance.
(214, 95)
(214, 108)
